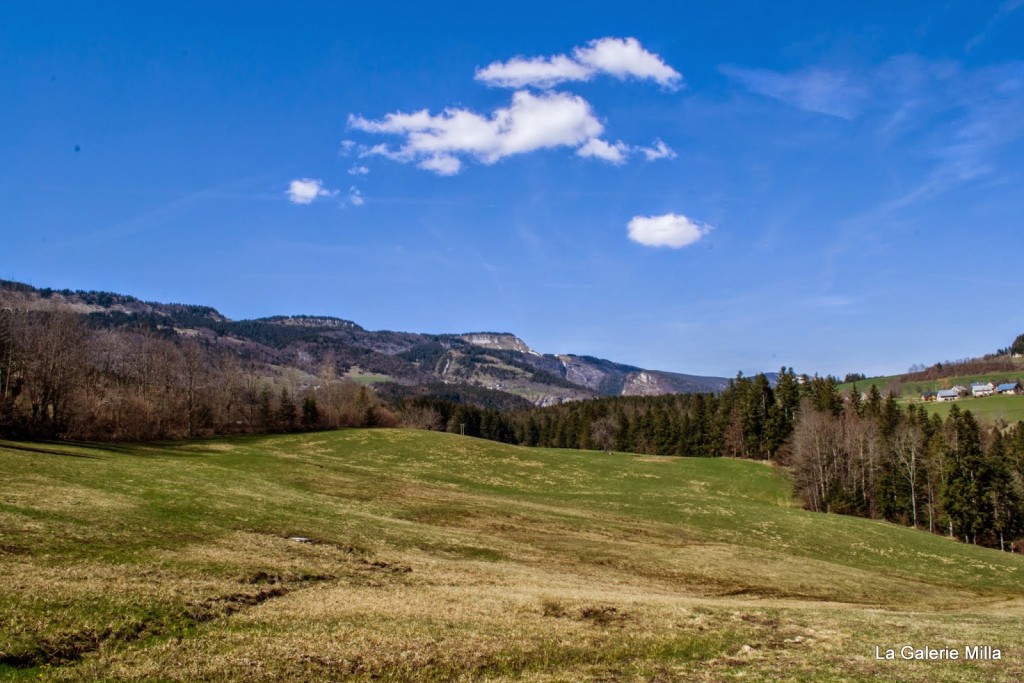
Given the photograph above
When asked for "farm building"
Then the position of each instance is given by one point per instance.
(980, 389)
(1010, 388)
(944, 395)
(929, 395)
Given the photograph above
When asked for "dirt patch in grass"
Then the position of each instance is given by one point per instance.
(71, 647)
(602, 615)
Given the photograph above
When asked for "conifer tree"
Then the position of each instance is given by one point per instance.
(1003, 504)
(286, 411)
(310, 413)
(964, 493)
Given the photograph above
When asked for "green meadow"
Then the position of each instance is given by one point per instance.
(913, 390)
(394, 555)
(989, 408)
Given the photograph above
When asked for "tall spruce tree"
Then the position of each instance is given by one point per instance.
(964, 497)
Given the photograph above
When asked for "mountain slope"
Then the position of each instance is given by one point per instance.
(492, 360)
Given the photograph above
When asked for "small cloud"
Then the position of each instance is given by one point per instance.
(597, 148)
(380, 150)
(619, 57)
(441, 164)
(355, 197)
(669, 230)
(617, 152)
(540, 72)
(658, 151)
(305, 190)
(625, 57)
(358, 170)
(819, 90)
(346, 147)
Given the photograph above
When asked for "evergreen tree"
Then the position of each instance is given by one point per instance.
(855, 405)
(286, 411)
(873, 406)
(782, 413)
(964, 494)
(264, 411)
(662, 435)
(1004, 501)
(1017, 347)
(756, 403)
(310, 413)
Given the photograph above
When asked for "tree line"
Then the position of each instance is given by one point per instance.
(866, 456)
(62, 375)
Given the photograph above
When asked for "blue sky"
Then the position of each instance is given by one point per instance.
(706, 188)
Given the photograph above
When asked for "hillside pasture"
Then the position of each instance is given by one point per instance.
(988, 409)
(402, 555)
(913, 390)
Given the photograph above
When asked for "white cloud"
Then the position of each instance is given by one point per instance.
(355, 197)
(379, 150)
(616, 153)
(358, 170)
(625, 57)
(305, 190)
(669, 230)
(442, 143)
(598, 148)
(441, 164)
(540, 72)
(531, 122)
(820, 90)
(619, 57)
(657, 151)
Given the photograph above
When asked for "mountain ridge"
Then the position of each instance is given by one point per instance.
(499, 361)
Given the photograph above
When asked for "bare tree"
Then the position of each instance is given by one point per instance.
(908, 444)
(602, 432)
(420, 417)
(192, 373)
(817, 453)
(54, 352)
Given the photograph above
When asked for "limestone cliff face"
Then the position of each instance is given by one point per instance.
(498, 340)
(579, 371)
(644, 384)
(656, 382)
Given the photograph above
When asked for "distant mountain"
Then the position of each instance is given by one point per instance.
(497, 361)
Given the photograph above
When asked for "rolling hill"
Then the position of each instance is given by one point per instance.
(405, 555)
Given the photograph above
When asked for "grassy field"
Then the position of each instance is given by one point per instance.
(913, 390)
(987, 409)
(362, 377)
(433, 557)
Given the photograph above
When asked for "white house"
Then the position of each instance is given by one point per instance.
(947, 395)
(979, 389)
